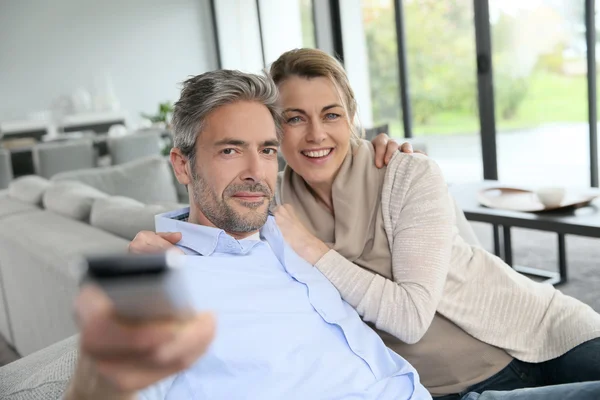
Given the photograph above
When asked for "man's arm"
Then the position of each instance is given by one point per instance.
(118, 358)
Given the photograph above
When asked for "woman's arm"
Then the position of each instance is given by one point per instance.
(420, 216)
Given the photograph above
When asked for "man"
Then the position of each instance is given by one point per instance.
(283, 330)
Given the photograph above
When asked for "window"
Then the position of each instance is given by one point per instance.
(308, 24)
(382, 46)
(442, 77)
(285, 26)
(540, 85)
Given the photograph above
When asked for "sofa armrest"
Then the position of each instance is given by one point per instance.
(42, 375)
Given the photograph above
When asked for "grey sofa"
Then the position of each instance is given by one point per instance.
(40, 376)
(50, 159)
(46, 224)
(131, 147)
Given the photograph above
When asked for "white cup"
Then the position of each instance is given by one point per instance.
(551, 197)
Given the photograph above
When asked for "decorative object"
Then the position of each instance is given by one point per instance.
(82, 100)
(516, 199)
(117, 130)
(551, 197)
(105, 97)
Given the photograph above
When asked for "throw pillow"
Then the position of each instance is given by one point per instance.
(72, 199)
(148, 180)
(123, 216)
(29, 189)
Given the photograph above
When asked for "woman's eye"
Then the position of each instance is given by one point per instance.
(294, 120)
(332, 116)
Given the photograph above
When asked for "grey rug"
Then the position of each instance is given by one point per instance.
(530, 248)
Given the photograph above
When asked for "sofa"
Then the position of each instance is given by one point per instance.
(37, 284)
(46, 224)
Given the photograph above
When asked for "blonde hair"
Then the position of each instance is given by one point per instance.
(313, 63)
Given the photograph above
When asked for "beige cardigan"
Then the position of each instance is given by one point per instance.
(434, 269)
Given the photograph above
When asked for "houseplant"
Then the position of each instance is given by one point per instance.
(162, 119)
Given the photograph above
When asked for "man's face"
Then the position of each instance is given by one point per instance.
(232, 179)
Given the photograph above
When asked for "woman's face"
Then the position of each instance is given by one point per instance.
(316, 134)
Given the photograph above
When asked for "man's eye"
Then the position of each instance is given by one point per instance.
(228, 151)
(270, 151)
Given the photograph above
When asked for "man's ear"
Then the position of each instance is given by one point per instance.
(181, 166)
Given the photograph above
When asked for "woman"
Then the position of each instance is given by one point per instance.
(387, 239)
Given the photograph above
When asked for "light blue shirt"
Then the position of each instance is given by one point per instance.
(283, 331)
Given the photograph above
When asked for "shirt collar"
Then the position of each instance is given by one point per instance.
(206, 240)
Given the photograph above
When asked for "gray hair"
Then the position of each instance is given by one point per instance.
(202, 94)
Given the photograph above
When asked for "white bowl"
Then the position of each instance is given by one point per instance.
(551, 197)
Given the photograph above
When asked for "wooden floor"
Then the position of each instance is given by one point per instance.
(7, 353)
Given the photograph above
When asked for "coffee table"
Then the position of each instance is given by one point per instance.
(584, 221)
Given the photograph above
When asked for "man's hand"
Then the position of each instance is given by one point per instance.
(148, 242)
(118, 358)
(386, 147)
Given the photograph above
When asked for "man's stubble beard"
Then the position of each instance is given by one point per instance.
(225, 217)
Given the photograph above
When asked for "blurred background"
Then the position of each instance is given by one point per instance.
(539, 60)
(71, 66)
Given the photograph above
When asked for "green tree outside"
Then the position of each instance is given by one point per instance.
(440, 45)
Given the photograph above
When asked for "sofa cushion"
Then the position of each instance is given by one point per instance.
(148, 180)
(39, 248)
(125, 217)
(40, 229)
(29, 189)
(72, 199)
(170, 206)
(10, 205)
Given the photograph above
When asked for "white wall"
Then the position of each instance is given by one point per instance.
(50, 48)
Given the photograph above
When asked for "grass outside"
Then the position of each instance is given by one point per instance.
(550, 98)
